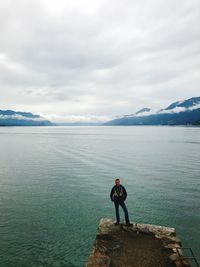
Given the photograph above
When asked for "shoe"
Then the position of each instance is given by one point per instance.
(129, 224)
(116, 223)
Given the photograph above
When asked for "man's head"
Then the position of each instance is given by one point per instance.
(117, 181)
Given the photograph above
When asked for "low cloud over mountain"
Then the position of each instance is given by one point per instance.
(13, 118)
(177, 113)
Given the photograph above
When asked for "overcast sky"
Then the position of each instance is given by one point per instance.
(82, 59)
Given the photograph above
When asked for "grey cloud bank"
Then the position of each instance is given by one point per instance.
(92, 60)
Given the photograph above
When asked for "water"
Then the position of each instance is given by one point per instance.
(55, 184)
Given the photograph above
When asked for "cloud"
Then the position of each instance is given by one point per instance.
(169, 111)
(77, 118)
(97, 57)
(20, 117)
(180, 109)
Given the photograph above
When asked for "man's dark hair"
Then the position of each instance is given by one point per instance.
(117, 179)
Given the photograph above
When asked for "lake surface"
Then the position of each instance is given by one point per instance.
(55, 184)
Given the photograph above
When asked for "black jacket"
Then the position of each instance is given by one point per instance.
(117, 197)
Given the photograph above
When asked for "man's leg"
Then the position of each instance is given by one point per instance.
(117, 211)
(123, 205)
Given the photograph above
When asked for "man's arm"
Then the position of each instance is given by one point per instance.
(125, 193)
(111, 194)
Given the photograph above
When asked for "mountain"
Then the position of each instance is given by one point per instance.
(78, 123)
(143, 110)
(15, 118)
(185, 104)
(178, 113)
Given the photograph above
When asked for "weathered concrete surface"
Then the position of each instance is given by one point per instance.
(141, 245)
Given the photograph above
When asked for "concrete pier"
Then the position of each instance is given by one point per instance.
(140, 245)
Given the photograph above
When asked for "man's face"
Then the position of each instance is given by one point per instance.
(117, 182)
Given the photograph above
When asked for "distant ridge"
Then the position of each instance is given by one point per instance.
(186, 112)
(143, 110)
(16, 118)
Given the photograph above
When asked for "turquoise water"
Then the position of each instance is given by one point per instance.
(55, 184)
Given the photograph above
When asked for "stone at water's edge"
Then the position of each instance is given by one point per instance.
(141, 245)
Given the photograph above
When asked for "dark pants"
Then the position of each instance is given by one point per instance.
(122, 204)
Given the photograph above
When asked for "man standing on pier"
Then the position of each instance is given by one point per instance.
(118, 195)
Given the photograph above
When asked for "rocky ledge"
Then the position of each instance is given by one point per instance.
(139, 245)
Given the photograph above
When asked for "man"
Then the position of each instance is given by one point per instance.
(118, 194)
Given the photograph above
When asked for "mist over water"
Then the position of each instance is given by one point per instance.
(55, 184)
